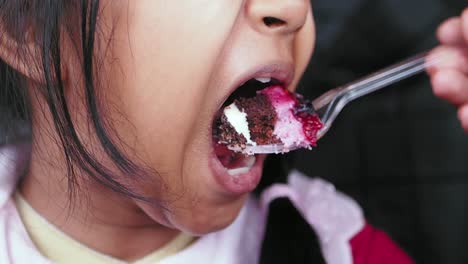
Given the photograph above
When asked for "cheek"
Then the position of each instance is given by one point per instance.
(158, 68)
(304, 47)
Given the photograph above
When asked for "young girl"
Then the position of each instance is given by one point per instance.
(121, 168)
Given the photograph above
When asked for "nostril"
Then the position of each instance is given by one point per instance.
(273, 22)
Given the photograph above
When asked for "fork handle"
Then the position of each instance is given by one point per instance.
(389, 75)
(336, 99)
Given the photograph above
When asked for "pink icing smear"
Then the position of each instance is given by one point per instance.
(292, 128)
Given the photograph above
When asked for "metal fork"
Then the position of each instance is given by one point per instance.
(330, 104)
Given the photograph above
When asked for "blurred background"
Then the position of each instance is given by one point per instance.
(401, 152)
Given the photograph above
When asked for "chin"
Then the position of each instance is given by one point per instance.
(204, 221)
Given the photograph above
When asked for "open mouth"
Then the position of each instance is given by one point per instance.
(237, 163)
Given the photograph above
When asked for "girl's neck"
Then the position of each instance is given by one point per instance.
(97, 217)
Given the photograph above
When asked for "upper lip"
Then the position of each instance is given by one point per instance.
(281, 72)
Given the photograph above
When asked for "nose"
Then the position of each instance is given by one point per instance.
(279, 16)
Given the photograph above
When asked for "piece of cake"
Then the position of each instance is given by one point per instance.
(274, 121)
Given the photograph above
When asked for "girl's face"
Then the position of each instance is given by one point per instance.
(169, 67)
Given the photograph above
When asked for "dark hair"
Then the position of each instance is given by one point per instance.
(48, 18)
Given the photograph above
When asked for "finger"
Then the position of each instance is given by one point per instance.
(451, 85)
(447, 57)
(464, 25)
(450, 32)
(463, 117)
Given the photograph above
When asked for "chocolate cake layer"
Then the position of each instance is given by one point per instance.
(227, 134)
(261, 117)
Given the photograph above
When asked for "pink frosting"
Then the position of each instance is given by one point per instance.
(287, 128)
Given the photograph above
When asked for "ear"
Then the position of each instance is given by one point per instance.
(25, 56)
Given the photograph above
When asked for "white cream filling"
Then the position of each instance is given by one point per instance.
(238, 121)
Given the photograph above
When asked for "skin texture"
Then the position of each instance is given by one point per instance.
(164, 68)
(450, 79)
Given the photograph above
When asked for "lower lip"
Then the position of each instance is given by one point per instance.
(239, 184)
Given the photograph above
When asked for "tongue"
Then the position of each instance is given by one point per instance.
(230, 159)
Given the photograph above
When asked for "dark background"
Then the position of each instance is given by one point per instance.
(401, 152)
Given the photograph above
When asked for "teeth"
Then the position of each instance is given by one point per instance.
(264, 80)
(248, 163)
(234, 172)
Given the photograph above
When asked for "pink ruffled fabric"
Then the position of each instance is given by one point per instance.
(335, 217)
